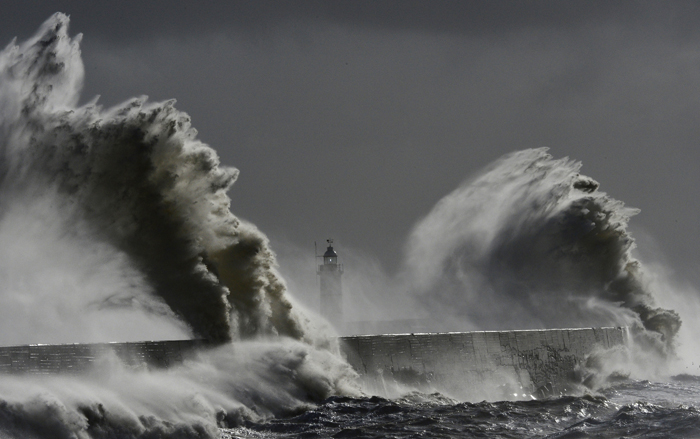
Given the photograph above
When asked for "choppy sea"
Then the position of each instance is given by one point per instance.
(628, 409)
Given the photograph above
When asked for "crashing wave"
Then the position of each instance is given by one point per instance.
(114, 222)
(533, 243)
(136, 179)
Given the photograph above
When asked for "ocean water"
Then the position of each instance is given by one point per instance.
(628, 409)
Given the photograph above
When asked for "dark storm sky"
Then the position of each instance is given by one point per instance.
(351, 119)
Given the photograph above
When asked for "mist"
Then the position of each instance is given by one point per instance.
(221, 388)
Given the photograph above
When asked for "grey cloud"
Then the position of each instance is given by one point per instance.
(316, 124)
(133, 21)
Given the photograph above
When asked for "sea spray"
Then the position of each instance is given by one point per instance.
(531, 242)
(221, 388)
(115, 221)
(136, 178)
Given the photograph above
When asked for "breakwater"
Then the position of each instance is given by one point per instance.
(470, 364)
(530, 362)
(80, 357)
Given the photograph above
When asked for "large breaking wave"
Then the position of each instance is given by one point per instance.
(530, 242)
(115, 225)
(135, 179)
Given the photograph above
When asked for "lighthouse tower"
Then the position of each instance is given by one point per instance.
(331, 288)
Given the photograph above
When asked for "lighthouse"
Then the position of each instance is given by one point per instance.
(331, 287)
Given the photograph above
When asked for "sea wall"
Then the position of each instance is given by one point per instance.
(468, 365)
(472, 365)
(76, 358)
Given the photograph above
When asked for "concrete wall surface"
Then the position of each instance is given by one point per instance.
(467, 365)
(476, 365)
(76, 358)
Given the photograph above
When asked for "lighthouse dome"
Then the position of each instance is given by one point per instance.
(330, 253)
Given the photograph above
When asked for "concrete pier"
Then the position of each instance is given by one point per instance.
(79, 357)
(469, 365)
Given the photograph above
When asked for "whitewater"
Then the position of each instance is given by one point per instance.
(115, 225)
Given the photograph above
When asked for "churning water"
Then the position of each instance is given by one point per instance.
(632, 409)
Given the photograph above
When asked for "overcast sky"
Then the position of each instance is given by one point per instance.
(351, 119)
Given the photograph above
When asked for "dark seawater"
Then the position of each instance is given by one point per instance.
(630, 409)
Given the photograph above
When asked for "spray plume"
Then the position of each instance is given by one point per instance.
(115, 224)
(532, 243)
(135, 179)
